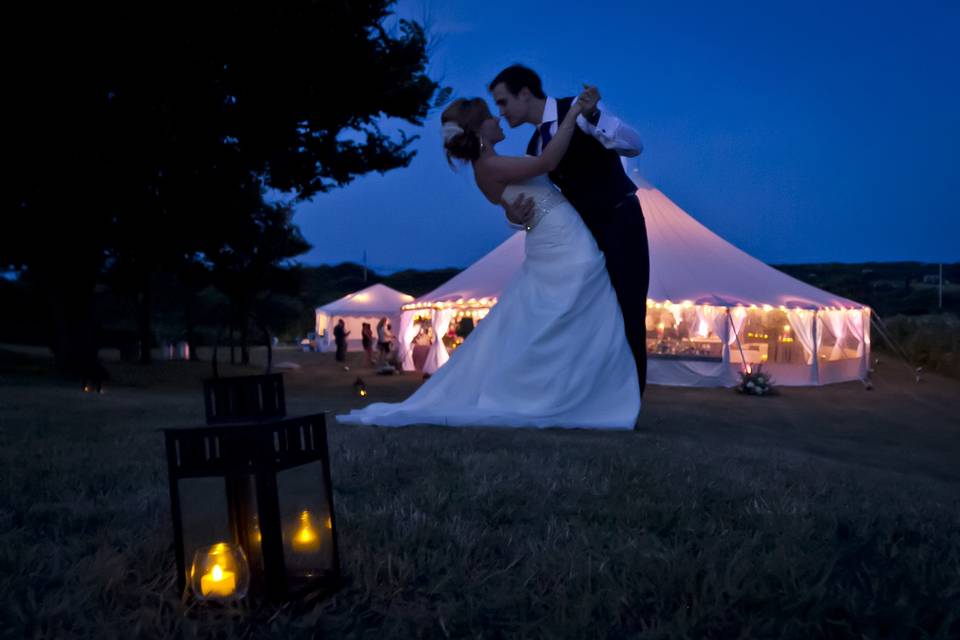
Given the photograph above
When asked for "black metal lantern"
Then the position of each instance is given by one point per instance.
(254, 497)
(244, 398)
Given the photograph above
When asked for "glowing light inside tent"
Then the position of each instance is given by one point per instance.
(703, 330)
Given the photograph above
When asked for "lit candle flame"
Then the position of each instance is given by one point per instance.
(306, 540)
(306, 534)
(222, 572)
(218, 583)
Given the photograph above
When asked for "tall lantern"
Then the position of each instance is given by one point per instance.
(252, 503)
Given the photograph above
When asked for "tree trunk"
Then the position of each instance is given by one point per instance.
(144, 300)
(73, 325)
(190, 326)
(245, 335)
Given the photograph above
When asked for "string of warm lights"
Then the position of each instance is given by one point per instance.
(487, 303)
(478, 308)
(765, 308)
(469, 303)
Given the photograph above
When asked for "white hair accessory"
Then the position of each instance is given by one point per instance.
(450, 130)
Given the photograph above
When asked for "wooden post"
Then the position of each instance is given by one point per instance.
(940, 293)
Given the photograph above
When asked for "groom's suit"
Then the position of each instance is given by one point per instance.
(592, 178)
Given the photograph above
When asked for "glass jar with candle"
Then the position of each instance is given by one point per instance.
(220, 572)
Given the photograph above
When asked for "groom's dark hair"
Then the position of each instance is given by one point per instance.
(517, 77)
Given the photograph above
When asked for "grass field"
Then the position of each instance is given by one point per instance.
(831, 512)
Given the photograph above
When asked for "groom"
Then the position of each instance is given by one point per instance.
(592, 178)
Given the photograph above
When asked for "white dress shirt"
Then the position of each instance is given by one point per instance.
(610, 130)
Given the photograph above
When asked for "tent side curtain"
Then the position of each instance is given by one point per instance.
(408, 331)
(739, 335)
(438, 356)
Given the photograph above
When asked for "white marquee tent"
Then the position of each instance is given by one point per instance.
(712, 309)
(472, 293)
(367, 305)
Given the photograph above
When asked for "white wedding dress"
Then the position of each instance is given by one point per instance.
(551, 353)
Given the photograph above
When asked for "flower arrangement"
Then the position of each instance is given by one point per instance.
(755, 381)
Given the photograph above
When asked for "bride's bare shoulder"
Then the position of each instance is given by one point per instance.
(491, 188)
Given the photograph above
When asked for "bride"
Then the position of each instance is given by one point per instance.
(552, 352)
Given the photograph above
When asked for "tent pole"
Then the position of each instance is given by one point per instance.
(815, 351)
(727, 328)
(743, 358)
(725, 354)
(865, 347)
(868, 347)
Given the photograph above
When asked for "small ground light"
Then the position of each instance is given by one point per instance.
(360, 388)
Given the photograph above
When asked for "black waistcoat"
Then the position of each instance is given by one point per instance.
(590, 175)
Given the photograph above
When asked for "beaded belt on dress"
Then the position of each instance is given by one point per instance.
(542, 205)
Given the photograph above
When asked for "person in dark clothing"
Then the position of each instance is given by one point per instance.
(367, 339)
(340, 339)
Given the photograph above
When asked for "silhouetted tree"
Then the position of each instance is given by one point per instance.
(255, 260)
(131, 141)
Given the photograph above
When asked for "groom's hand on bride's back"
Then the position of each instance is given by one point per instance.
(520, 211)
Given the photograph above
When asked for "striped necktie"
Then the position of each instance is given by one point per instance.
(545, 135)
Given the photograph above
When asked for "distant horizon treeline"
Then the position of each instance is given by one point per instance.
(25, 319)
(892, 288)
(889, 288)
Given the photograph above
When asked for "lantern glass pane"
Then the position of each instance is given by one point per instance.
(221, 510)
(203, 514)
(305, 520)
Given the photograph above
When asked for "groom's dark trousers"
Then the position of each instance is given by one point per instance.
(622, 236)
(592, 179)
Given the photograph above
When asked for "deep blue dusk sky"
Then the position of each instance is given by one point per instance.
(801, 132)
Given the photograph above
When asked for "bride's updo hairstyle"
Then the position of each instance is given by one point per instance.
(468, 114)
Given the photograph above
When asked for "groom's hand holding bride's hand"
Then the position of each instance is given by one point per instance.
(520, 211)
(588, 100)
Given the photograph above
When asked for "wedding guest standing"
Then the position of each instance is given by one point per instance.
(340, 338)
(367, 339)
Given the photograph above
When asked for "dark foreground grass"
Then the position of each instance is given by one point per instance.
(490, 533)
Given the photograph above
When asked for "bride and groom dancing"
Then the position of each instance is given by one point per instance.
(565, 345)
